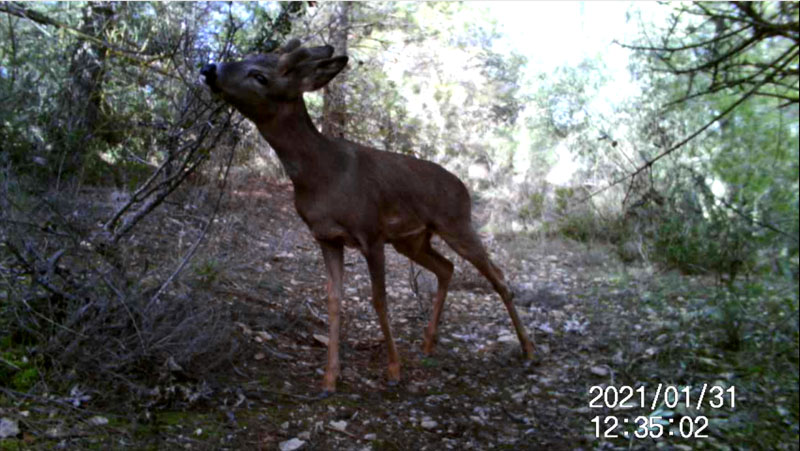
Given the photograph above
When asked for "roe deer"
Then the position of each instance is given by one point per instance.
(355, 196)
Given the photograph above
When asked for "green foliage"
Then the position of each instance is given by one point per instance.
(207, 272)
(744, 334)
(424, 80)
(17, 371)
(12, 444)
(696, 235)
(25, 379)
(731, 307)
(681, 245)
(533, 209)
(581, 227)
(98, 101)
(732, 192)
(585, 222)
(564, 197)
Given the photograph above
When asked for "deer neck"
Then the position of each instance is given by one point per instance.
(308, 157)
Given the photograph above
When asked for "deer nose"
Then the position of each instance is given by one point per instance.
(209, 72)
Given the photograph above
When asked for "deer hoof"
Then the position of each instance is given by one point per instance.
(532, 358)
(394, 372)
(325, 394)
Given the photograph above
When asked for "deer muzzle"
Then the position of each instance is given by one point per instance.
(209, 73)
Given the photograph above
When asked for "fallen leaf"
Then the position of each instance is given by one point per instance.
(428, 424)
(245, 328)
(97, 420)
(291, 444)
(507, 338)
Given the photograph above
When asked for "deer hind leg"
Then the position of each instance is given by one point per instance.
(468, 245)
(333, 253)
(377, 273)
(419, 250)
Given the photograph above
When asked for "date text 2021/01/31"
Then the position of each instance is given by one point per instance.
(669, 396)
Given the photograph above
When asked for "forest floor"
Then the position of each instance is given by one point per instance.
(596, 323)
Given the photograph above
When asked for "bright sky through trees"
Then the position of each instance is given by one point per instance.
(553, 34)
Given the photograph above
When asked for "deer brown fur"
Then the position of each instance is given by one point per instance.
(355, 196)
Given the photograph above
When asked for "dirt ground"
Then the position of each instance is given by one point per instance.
(588, 313)
(595, 322)
(475, 392)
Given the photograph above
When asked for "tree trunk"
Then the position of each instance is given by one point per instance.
(334, 114)
(86, 71)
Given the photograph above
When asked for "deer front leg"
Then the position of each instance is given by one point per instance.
(375, 263)
(333, 253)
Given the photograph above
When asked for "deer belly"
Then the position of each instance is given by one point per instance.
(397, 227)
(335, 232)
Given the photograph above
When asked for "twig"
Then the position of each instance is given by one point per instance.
(47, 399)
(121, 299)
(349, 434)
(166, 186)
(313, 311)
(291, 395)
(11, 364)
(413, 275)
(275, 353)
(518, 419)
(213, 216)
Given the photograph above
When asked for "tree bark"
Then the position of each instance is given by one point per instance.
(334, 112)
(84, 99)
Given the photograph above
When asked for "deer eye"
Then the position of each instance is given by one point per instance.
(260, 78)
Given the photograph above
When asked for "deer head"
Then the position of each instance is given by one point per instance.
(259, 84)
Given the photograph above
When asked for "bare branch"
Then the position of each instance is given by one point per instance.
(194, 247)
(14, 9)
(680, 144)
(789, 55)
(682, 47)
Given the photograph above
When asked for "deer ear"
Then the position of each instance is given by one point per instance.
(288, 61)
(290, 46)
(316, 74)
(323, 51)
